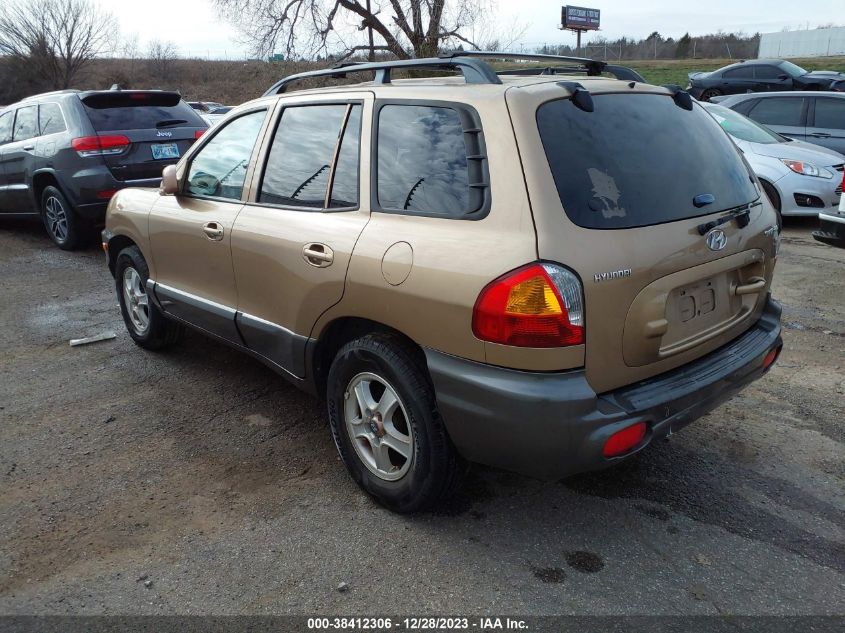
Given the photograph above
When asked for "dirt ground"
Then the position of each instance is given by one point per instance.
(198, 482)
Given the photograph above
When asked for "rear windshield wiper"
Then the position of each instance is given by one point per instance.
(170, 123)
(742, 215)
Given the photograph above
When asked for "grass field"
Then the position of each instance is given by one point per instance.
(674, 71)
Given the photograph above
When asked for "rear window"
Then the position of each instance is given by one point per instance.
(110, 111)
(638, 160)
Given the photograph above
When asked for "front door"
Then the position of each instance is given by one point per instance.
(292, 242)
(6, 120)
(828, 123)
(786, 115)
(17, 157)
(191, 232)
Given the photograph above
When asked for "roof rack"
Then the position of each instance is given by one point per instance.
(469, 63)
(474, 72)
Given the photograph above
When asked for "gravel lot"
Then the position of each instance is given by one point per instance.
(197, 481)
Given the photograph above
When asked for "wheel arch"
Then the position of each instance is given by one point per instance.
(40, 181)
(339, 332)
(117, 243)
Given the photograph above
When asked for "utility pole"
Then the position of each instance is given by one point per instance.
(372, 54)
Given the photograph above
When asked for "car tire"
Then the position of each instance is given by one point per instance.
(709, 93)
(64, 226)
(147, 326)
(774, 198)
(426, 468)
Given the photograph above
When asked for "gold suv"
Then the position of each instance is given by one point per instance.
(542, 269)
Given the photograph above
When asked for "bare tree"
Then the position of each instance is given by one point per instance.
(405, 28)
(56, 39)
(160, 57)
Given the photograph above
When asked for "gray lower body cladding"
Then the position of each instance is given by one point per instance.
(550, 425)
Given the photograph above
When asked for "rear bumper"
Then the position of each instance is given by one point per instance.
(831, 228)
(550, 425)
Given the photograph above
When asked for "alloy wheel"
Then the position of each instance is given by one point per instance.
(378, 426)
(56, 216)
(136, 300)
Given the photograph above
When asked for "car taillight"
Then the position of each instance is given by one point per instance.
(538, 305)
(623, 441)
(100, 145)
(198, 133)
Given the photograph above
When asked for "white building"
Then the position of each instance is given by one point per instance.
(815, 43)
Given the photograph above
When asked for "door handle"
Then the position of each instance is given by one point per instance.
(820, 134)
(318, 255)
(213, 231)
(29, 147)
(756, 284)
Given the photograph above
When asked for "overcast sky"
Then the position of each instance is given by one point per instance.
(196, 29)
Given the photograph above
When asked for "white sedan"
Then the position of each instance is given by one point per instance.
(799, 178)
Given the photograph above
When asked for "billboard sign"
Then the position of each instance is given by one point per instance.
(580, 18)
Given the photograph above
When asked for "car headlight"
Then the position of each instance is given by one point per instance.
(806, 169)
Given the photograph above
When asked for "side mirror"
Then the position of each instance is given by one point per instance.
(169, 182)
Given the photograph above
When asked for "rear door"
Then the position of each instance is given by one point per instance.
(190, 233)
(826, 123)
(292, 243)
(635, 178)
(148, 129)
(785, 115)
(737, 80)
(18, 157)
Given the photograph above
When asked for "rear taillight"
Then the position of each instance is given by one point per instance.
(198, 133)
(100, 145)
(623, 441)
(538, 305)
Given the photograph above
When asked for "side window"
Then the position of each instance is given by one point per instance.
(50, 119)
(26, 123)
(6, 120)
(423, 165)
(778, 111)
(299, 167)
(767, 72)
(744, 72)
(219, 168)
(830, 113)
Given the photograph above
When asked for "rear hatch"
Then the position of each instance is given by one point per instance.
(158, 125)
(639, 179)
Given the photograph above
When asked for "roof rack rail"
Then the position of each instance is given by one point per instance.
(469, 63)
(593, 66)
(474, 71)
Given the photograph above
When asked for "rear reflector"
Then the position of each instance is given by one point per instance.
(538, 305)
(107, 194)
(623, 441)
(771, 357)
(198, 133)
(100, 145)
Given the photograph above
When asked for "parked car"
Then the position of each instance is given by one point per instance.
(832, 224)
(818, 118)
(64, 154)
(758, 75)
(213, 116)
(544, 274)
(799, 178)
(205, 106)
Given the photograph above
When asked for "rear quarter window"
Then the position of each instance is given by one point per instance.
(638, 160)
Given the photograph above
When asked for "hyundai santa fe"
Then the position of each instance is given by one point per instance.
(543, 273)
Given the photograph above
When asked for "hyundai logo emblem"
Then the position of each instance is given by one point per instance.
(716, 240)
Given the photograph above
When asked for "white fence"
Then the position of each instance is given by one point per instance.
(815, 43)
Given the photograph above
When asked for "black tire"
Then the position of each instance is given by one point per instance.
(435, 469)
(709, 93)
(64, 226)
(774, 198)
(159, 332)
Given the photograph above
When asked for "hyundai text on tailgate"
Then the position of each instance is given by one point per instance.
(540, 272)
